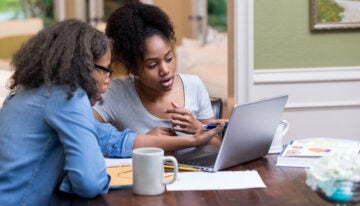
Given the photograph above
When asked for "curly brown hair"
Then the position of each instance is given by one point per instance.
(62, 54)
(130, 25)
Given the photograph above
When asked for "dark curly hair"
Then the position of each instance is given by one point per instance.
(62, 54)
(130, 25)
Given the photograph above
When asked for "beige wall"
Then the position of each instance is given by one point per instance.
(180, 13)
(231, 56)
(76, 9)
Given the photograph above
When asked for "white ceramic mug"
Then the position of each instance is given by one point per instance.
(281, 130)
(148, 168)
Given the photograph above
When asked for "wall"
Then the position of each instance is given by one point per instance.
(275, 53)
(76, 9)
(282, 38)
(180, 13)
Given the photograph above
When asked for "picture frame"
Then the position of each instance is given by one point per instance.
(334, 15)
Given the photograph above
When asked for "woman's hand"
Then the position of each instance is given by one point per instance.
(217, 121)
(183, 120)
(203, 137)
(173, 143)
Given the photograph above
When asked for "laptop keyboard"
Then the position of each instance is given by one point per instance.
(208, 160)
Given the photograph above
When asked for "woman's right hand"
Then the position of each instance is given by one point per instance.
(203, 137)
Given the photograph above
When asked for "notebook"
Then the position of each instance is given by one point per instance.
(248, 136)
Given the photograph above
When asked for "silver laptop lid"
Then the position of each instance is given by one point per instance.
(250, 131)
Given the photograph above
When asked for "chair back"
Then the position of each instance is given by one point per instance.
(217, 107)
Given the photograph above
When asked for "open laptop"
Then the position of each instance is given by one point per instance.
(248, 136)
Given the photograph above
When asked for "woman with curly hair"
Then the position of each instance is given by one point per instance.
(154, 99)
(48, 135)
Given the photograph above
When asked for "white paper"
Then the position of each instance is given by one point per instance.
(110, 162)
(295, 161)
(224, 180)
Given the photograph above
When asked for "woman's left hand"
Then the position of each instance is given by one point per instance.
(183, 120)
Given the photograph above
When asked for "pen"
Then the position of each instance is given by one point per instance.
(211, 126)
(183, 168)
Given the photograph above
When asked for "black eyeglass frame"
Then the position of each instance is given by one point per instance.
(108, 71)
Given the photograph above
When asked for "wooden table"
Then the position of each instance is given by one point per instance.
(285, 186)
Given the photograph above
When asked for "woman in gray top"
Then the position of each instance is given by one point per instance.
(154, 99)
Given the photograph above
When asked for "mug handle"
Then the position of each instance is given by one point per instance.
(286, 126)
(176, 168)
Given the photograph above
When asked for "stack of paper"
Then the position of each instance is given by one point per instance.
(122, 176)
(301, 153)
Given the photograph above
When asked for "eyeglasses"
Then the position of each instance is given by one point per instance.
(108, 72)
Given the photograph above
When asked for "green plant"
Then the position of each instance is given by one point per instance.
(28, 9)
(11, 9)
(217, 17)
(329, 11)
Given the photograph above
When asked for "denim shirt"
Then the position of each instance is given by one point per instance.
(49, 143)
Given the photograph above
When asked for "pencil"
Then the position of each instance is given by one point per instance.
(183, 168)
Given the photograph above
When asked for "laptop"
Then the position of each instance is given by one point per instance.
(248, 136)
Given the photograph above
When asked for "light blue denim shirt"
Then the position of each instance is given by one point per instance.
(49, 142)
